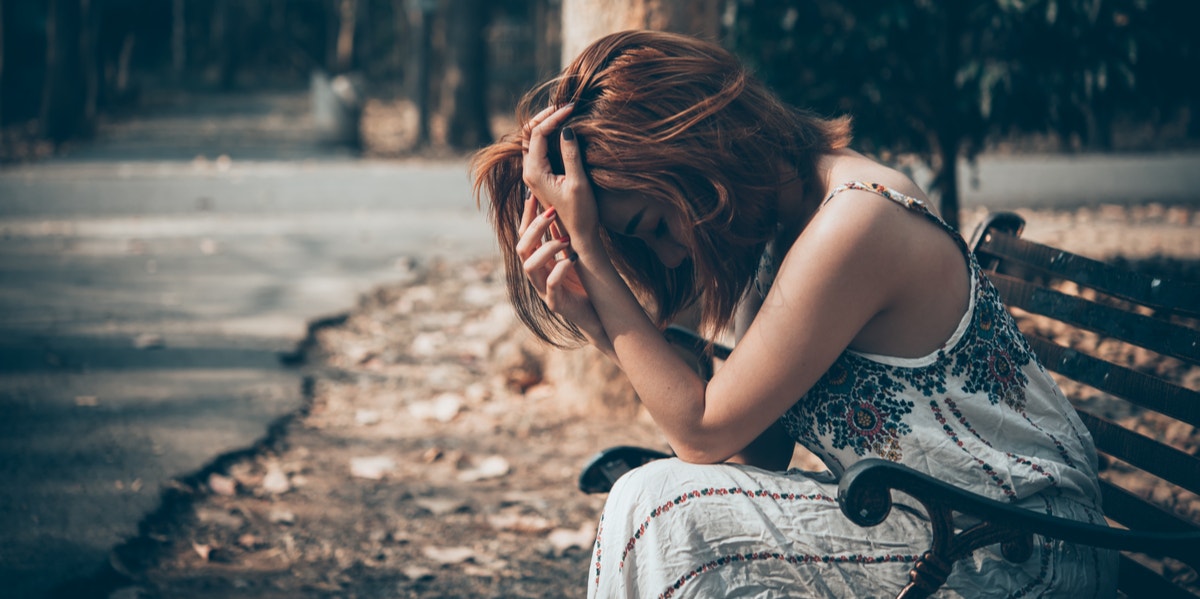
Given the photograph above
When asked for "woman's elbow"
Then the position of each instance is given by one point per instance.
(701, 454)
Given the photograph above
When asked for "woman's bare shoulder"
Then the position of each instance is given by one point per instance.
(851, 166)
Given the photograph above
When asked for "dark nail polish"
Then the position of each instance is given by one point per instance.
(568, 134)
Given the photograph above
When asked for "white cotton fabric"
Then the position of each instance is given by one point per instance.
(980, 413)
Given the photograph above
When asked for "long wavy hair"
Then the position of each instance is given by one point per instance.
(675, 120)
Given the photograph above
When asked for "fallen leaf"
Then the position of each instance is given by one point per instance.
(202, 550)
(372, 468)
(491, 467)
(431, 455)
(281, 516)
(275, 481)
(222, 485)
(442, 408)
(219, 517)
(367, 417)
(520, 523)
(440, 506)
(448, 555)
(417, 573)
(564, 539)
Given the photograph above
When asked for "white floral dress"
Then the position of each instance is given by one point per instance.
(980, 412)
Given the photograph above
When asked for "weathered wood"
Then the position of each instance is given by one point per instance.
(1155, 292)
(1142, 389)
(1151, 333)
(1154, 457)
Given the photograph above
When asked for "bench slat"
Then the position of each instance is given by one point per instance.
(1161, 460)
(1135, 513)
(1142, 389)
(1176, 296)
(1153, 334)
(1137, 580)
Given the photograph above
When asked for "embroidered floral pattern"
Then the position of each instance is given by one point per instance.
(1016, 458)
(863, 412)
(993, 353)
(710, 492)
(983, 465)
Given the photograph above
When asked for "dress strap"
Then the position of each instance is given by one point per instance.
(907, 201)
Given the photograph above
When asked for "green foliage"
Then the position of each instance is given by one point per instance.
(941, 78)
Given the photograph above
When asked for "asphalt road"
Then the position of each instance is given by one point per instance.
(146, 295)
(144, 305)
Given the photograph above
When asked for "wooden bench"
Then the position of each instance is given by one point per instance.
(1117, 306)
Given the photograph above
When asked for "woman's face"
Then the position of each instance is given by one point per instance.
(654, 223)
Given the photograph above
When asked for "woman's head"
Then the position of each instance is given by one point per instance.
(674, 128)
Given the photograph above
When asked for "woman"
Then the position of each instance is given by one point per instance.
(662, 175)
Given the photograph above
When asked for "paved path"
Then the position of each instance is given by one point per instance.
(144, 305)
(145, 296)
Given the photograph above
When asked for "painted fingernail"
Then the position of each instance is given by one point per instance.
(565, 239)
(551, 213)
(568, 134)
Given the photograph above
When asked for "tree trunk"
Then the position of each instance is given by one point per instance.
(64, 97)
(1, 64)
(347, 22)
(585, 21)
(178, 40)
(547, 41)
(589, 375)
(947, 122)
(464, 83)
(946, 179)
(417, 78)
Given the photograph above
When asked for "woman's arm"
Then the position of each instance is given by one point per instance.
(816, 307)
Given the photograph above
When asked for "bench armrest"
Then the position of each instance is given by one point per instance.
(864, 495)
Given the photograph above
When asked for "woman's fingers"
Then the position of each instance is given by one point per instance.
(528, 213)
(540, 264)
(537, 119)
(555, 282)
(572, 162)
(535, 233)
(537, 161)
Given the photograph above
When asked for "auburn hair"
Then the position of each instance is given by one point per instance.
(676, 120)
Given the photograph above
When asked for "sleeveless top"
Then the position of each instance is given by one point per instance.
(980, 412)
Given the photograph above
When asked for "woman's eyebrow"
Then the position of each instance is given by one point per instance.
(634, 222)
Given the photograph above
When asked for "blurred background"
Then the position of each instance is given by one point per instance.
(397, 77)
(189, 188)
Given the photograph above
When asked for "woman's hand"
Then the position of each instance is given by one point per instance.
(549, 264)
(569, 194)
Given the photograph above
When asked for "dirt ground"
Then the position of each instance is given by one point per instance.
(437, 460)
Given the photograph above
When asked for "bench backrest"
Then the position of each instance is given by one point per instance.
(1092, 316)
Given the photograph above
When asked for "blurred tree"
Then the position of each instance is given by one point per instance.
(2, 39)
(939, 78)
(69, 95)
(421, 16)
(585, 21)
(347, 23)
(464, 74)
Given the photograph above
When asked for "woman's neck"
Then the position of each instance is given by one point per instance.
(799, 198)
